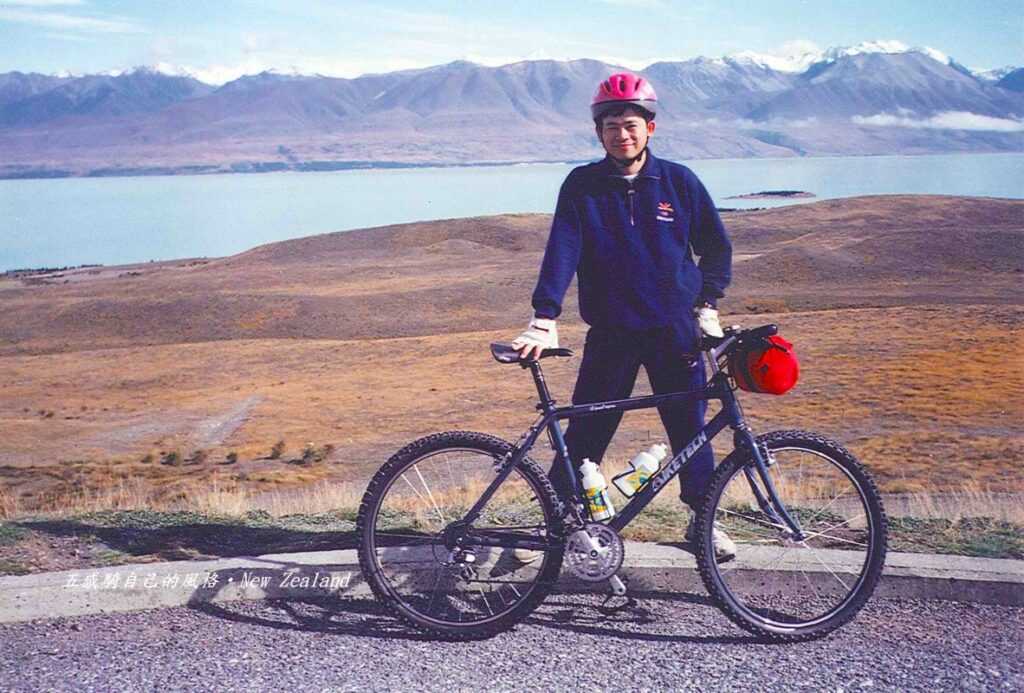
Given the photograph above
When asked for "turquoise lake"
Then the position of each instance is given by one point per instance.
(74, 221)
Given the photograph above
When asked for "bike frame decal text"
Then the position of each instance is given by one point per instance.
(677, 462)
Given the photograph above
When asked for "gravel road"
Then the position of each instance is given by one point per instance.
(676, 642)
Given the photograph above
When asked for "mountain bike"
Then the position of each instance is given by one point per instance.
(462, 535)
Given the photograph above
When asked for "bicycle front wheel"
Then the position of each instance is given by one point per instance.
(779, 587)
(406, 520)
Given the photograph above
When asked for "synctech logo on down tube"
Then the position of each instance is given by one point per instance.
(689, 451)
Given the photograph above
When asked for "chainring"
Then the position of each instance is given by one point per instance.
(594, 553)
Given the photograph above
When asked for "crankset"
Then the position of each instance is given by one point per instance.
(594, 553)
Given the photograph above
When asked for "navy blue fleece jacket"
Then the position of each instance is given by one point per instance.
(633, 245)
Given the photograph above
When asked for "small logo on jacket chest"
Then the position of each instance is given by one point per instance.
(665, 212)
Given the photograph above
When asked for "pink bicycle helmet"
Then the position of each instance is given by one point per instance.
(621, 89)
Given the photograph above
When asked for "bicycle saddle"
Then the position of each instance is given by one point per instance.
(503, 352)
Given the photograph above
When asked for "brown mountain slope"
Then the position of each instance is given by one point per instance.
(906, 312)
(466, 274)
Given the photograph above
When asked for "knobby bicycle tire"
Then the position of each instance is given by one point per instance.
(775, 587)
(446, 473)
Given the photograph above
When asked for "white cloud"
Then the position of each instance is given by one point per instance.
(66, 22)
(747, 124)
(948, 120)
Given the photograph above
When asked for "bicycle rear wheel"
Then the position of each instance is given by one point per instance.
(776, 587)
(406, 516)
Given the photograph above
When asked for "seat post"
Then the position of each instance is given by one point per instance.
(546, 402)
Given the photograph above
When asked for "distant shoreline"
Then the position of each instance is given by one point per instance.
(27, 172)
(42, 173)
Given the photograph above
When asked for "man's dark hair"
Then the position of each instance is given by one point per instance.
(619, 110)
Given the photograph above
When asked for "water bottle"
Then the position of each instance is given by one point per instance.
(595, 488)
(641, 468)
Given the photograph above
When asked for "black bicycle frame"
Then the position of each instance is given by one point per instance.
(730, 416)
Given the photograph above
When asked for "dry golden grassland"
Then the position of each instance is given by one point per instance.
(131, 387)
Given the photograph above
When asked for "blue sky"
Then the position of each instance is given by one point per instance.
(225, 38)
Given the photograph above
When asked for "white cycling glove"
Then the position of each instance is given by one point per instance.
(540, 334)
(707, 318)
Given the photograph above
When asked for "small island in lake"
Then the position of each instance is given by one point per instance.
(767, 194)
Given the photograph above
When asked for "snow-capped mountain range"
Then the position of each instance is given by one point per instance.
(802, 60)
(877, 97)
(794, 61)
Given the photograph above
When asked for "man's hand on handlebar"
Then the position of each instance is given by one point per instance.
(707, 318)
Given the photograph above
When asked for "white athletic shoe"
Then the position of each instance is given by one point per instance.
(725, 548)
(525, 556)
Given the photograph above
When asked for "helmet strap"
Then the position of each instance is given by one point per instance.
(626, 163)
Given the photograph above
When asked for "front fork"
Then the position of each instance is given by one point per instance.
(771, 505)
(743, 439)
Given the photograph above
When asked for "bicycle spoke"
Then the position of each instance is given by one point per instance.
(418, 494)
(754, 520)
(826, 566)
(433, 594)
(817, 593)
(780, 483)
(824, 532)
(431, 495)
(782, 555)
(826, 507)
(484, 596)
(451, 472)
(839, 539)
(743, 532)
(423, 538)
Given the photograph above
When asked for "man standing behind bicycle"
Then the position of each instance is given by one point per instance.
(629, 226)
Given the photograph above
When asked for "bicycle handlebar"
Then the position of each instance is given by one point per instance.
(715, 346)
(718, 346)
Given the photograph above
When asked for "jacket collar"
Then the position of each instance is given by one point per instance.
(650, 169)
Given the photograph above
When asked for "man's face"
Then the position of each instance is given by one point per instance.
(625, 136)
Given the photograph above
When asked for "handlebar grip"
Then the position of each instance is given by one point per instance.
(763, 331)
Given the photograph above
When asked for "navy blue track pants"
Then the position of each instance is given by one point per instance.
(611, 363)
